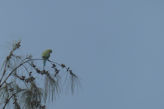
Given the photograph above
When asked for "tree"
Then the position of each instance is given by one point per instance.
(25, 85)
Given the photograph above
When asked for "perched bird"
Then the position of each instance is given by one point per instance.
(45, 56)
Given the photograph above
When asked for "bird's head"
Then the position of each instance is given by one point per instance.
(49, 50)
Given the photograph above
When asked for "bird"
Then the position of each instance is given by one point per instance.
(45, 56)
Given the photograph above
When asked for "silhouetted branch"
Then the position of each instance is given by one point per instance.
(20, 78)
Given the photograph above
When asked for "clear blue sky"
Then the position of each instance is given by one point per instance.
(115, 46)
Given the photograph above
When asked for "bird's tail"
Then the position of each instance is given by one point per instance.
(44, 63)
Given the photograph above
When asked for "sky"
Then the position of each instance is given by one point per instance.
(115, 46)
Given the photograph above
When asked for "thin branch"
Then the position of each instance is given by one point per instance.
(7, 100)
(16, 69)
